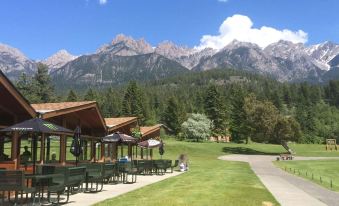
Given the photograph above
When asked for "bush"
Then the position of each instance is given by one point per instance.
(197, 127)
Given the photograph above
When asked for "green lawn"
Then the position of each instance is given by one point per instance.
(327, 169)
(209, 181)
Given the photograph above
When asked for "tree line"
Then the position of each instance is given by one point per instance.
(242, 105)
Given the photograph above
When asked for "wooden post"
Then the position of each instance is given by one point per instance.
(15, 150)
(2, 145)
(63, 142)
(93, 151)
(142, 153)
(102, 151)
(42, 149)
(121, 150)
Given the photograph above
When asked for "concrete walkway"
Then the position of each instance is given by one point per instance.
(113, 190)
(289, 190)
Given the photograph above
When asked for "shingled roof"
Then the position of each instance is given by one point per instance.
(117, 122)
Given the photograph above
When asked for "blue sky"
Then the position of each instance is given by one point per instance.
(39, 28)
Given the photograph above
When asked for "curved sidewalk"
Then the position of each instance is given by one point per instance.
(289, 190)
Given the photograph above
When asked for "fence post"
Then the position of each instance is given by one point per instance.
(321, 181)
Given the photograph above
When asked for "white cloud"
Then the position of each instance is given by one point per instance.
(239, 27)
(223, 1)
(102, 2)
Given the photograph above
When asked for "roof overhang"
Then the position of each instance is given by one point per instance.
(13, 106)
(114, 124)
(86, 114)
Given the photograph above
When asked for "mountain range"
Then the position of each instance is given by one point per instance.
(125, 59)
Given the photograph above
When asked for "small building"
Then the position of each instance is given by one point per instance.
(125, 125)
(150, 132)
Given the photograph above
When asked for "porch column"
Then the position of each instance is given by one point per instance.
(15, 150)
(63, 143)
(93, 151)
(102, 151)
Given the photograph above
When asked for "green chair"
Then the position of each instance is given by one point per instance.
(65, 184)
(94, 177)
(176, 164)
(14, 181)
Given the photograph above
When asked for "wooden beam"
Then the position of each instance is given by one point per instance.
(16, 94)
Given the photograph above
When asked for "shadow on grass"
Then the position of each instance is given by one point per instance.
(248, 151)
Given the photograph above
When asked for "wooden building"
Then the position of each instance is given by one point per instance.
(150, 132)
(86, 115)
(14, 108)
(123, 125)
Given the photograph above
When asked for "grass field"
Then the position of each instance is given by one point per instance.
(209, 181)
(326, 169)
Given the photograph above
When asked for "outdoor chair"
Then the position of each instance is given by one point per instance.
(109, 172)
(176, 164)
(65, 184)
(160, 166)
(128, 171)
(14, 181)
(94, 177)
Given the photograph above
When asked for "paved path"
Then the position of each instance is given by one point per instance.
(289, 190)
(113, 190)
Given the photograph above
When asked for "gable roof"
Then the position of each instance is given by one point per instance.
(12, 105)
(118, 122)
(87, 112)
(150, 129)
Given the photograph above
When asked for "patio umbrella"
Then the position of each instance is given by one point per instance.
(36, 125)
(76, 147)
(161, 149)
(151, 143)
(118, 137)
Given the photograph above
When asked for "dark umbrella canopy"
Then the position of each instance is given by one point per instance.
(118, 137)
(76, 148)
(151, 143)
(37, 125)
(161, 148)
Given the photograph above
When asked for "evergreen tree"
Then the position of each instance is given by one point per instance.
(238, 125)
(90, 95)
(72, 96)
(173, 115)
(28, 88)
(133, 102)
(215, 110)
(45, 89)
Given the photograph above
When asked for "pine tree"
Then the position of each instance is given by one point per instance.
(215, 110)
(45, 90)
(238, 125)
(173, 115)
(133, 102)
(90, 95)
(28, 88)
(72, 96)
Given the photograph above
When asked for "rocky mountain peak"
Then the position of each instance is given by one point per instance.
(171, 50)
(123, 45)
(237, 44)
(13, 62)
(58, 59)
(323, 53)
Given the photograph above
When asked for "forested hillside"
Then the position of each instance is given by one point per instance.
(243, 105)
